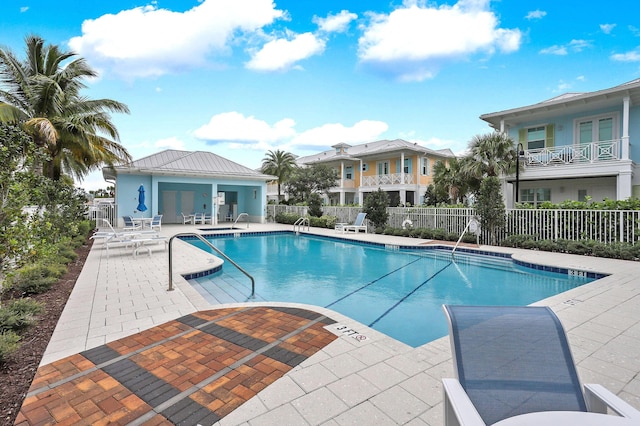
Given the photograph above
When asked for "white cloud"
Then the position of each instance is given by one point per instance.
(536, 14)
(240, 132)
(335, 23)
(631, 56)
(24, 9)
(607, 28)
(170, 143)
(282, 54)
(332, 133)
(414, 41)
(235, 127)
(573, 45)
(148, 41)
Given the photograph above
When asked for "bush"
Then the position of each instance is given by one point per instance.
(19, 314)
(36, 278)
(323, 221)
(8, 345)
(287, 218)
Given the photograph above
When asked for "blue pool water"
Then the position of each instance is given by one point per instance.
(398, 292)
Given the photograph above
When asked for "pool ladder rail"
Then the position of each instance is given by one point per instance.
(300, 223)
(217, 250)
(472, 226)
(238, 218)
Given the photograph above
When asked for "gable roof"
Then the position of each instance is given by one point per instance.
(568, 102)
(187, 163)
(377, 148)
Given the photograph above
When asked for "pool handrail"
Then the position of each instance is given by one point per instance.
(300, 222)
(473, 221)
(239, 216)
(217, 250)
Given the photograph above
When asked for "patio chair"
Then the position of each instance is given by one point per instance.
(187, 218)
(129, 224)
(515, 360)
(156, 222)
(357, 226)
(198, 219)
(207, 219)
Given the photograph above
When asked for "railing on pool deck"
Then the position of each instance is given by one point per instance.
(472, 226)
(217, 250)
(300, 223)
(238, 218)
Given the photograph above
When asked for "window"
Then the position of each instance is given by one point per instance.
(596, 129)
(425, 166)
(535, 196)
(535, 138)
(407, 165)
(538, 137)
(383, 168)
(348, 172)
(582, 195)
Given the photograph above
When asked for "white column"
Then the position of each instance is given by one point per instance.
(341, 183)
(624, 155)
(360, 185)
(401, 170)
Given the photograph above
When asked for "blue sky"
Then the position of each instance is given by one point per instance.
(241, 77)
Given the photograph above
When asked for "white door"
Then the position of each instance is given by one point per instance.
(187, 202)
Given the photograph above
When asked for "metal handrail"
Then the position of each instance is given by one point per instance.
(239, 216)
(300, 222)
(217, 250)
(473, 221)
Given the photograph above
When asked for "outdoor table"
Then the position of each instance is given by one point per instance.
(145, 222)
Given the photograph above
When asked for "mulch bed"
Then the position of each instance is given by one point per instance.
(16, 374)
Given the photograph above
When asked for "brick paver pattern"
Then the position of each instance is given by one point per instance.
(194, 370)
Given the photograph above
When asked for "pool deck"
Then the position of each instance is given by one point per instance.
(120, 303)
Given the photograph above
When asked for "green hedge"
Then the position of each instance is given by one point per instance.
(624, 251)
(317, 222)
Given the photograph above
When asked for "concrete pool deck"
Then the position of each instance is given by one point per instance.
(348, 381)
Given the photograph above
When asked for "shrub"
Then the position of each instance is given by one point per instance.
(36, 278)
(19, 314)
(323, 221)
(8, 345)
(287, 218)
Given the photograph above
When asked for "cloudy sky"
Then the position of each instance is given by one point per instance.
(241, 77)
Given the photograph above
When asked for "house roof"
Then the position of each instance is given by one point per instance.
(372, 150)
(187, 163)
(567, 103)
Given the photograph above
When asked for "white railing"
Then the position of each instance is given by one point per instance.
(391, 179)
(574, 154)
(108, 211)
(605, 226)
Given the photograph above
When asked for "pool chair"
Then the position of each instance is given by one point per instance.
(514, 367)
(129, 224)
(357, 226)
(198, 219)
(156, 222)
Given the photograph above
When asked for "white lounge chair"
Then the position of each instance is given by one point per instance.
(357, 226)
(516, 361)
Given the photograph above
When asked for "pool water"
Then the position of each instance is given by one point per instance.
(397, 292)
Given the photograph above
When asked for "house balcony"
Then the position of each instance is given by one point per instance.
(582, 154)
(388, 180)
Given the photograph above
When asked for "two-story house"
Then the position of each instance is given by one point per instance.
(574, 146)
(400, 168)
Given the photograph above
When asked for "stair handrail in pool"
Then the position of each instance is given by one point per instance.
(300, 222)
(216, 249)
(472, 226)
(239, 216)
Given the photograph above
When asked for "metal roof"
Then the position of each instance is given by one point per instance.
(357, 152)
(191, 163)
(567, 103)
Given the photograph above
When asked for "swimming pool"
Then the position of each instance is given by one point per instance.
(396, 291)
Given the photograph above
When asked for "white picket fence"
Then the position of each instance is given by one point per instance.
(606, 226)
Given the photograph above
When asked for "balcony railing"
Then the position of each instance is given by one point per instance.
(574, 154)
(391, 179)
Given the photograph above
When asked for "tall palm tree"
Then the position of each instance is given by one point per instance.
(451, 177)
(42, 94)
(491, 154)
(280, 164)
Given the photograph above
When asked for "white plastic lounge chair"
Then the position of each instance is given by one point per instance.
(115, 234)
(357, 226)
(156, 222)
(129, 224)
(512, 361)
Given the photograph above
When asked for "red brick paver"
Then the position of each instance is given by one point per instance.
(198, 368)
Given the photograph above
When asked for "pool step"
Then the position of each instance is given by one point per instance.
(462, 258)
(223, 287)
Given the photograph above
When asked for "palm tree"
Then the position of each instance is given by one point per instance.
(451, 178)
(280, 164)
(43, 96)
(491, 154)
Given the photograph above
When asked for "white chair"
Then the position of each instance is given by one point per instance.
(129, 224)
(186, 218)
(207, 219)
(156, 222)
(198, 219)
(516, 361)
(357, 226)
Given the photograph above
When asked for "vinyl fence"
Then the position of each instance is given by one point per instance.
(606, 226)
